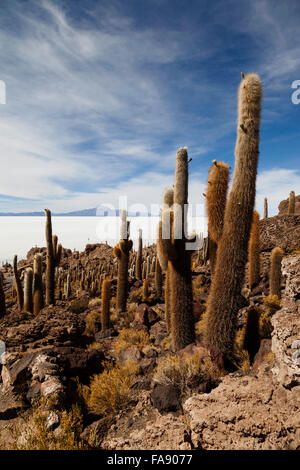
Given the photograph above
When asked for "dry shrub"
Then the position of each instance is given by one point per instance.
(136, 296)
(79, 305)
(180, 370)
(272, 303)
(265, 326)
(201, 325)
(94, 302)
(130, 337)
(241, 355)
(34, 433)
(111, 390)
(91, 320)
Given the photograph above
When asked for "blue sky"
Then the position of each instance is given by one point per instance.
(101, 94)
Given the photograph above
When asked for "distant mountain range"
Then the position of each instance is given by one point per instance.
(101, 212)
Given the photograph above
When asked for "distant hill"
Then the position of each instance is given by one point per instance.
(100, 212)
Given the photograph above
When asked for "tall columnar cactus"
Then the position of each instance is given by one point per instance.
(50, 268)
(139, 257)
(265, 208)
(38, 295)
(225, 292)
(18, 284)
(292, 201)
(168, 200)
(2, 297)
(148, 267)
(254, 252)
(275, 272)
(158, 278)
(121, 252)
(216, 193)
(179, 259)
(145, 289)
(105, 307)
(28, 280)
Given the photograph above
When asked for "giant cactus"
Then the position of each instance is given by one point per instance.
(216, 194)
(38, 295)
(225, 292)
(254, 252)
(179, 259)
(121, 252)
(50, 267)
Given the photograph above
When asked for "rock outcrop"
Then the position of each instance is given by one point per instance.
(280, 230)
(283, 206)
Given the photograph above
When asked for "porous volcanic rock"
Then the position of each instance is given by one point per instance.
(280, 230)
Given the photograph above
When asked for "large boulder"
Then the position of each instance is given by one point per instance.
(52, 326)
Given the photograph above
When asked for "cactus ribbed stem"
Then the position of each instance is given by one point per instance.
(292, 203)
(106, 294)
(121, 252)
(139, 257)
(50, 282)
(2, 297)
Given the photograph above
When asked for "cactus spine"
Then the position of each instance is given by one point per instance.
(265, 208)
(225, 291)
(28, 279)
(216, 193)
(50, 269)
(2, 297)
(18, 284)
(106, 293)
(275, 272)
(121, 252)
(179, 260)
(291, 207)
(139, 258)
(254, 252)
(38, 296)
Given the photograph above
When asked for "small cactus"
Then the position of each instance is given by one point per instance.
(275, 272)
(105, 307)
(292, 203)
(265, 208)
(2, 297)
(18, 284)
(145, 289)
(28, 281)
(139, 257)
(38, 295)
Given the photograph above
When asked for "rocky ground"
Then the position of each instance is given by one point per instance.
(257, 407)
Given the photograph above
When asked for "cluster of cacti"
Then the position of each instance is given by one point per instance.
(225, 292)
(254, 252)
(121, 252)
(173, 250)
(275, 272)
(216, 193)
